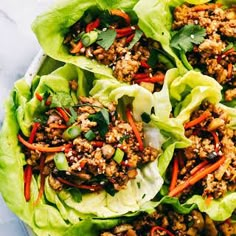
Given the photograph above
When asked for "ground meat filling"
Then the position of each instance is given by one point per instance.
(92, 155)
(215, 56)
(129, 63)
(193, 224)
(211, 140)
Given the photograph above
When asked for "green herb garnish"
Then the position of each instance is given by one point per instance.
(106, 38)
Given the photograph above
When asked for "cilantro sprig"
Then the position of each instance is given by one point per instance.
(185, 39)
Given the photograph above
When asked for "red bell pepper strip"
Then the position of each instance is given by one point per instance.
(159, 228)
(144, 64)
(42, 148)
(141, 76)
(134, 128)
(92, 25)
(125, 30)
(92, 188)
(198, 120)
(63, 114)
(27, 181)
(39, 97)
(155, 79)
(36, 126)
(121, 14)
(42, 180)
(129, 38)
(174, 175)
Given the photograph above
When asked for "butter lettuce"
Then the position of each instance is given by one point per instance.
(60, 211)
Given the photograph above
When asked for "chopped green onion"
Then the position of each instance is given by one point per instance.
(90, 135)
(119, 155)
(71, 133)
(89, 38)
(61, 161)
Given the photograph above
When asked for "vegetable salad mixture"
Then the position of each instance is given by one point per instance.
(211, 29)
(165, 221)
(134, 132)
(115, 41)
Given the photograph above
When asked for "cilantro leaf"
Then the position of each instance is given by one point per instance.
(102, 119)
(138, 34)
(106, 38)
(187, 36)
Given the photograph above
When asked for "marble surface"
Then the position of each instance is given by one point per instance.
(18, 47)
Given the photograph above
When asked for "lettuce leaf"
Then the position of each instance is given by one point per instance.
(57, 212)
(50, 29)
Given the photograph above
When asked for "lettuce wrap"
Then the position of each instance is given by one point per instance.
(57, 212)
(93, 36)
(183, 95)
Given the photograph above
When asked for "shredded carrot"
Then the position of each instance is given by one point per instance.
(198, 167)
(92, 188)
(40, 147)
(27, 181)
(57, 126)
(36, 126)
(226, 53)
(198, 176)
(134, 128)
(159, 228)
(204, 7)
(230, 70)
(122, 14)
(208, 200)
(63, 114)
(38, 96)
(76, 48)
(42, 180)
(174, 175)
(198, 120)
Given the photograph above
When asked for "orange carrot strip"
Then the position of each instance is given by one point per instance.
(134, 128)
(174, 175)
(198, 167)
(141, 76)
(125, 30)
(208, 200)
(77, 47)
(230, 70)
(63, 114)
(36, 125)
(122, 14)
(92, 188)
(204, 7)
(200, 175)
(226, 53)
(40, 147)
(27, 181)
(155, 79)
(198, 120)
(57, 126)
(97, 143)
